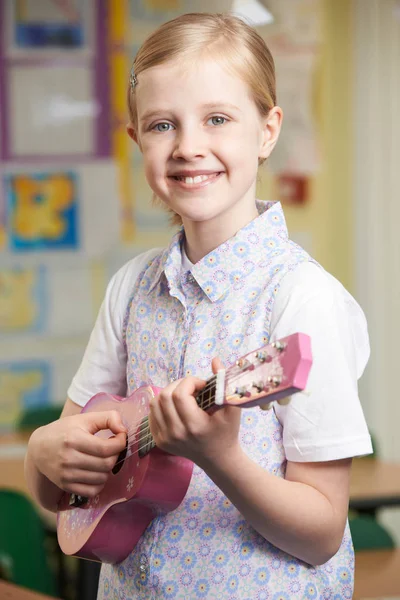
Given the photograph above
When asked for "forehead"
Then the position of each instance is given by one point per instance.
(179, 86)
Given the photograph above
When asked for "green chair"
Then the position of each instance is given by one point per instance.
(369, 534)
(33, 418)
(23, 555)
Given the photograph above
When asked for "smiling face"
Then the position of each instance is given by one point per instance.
(201, 136)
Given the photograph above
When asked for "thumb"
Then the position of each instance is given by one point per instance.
(216, 364)
(110, 419)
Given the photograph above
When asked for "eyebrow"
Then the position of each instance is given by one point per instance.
(209, 106)
(221, 105)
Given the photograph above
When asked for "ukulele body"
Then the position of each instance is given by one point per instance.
(106, 528)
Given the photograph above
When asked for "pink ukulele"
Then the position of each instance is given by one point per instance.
(146, 481)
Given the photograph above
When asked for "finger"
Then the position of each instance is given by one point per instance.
(110, 419)
(187, 410)
(156, 419)
(86, 462)
(101, 447)
(216, 364)
(84, 477)
(82, 489)
(168, 417)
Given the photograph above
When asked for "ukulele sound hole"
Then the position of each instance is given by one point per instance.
(120, 460)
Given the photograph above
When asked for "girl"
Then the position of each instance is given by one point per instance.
(265, 515)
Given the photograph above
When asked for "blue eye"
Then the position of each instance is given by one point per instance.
(217, 120)
(162, 127)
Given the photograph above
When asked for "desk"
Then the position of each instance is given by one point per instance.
(12, 452)
(377, 574)
(9, 591)
(374, 484)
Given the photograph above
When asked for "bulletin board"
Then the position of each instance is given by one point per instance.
(60, 215)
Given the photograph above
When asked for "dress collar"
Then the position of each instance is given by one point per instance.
(231, 262)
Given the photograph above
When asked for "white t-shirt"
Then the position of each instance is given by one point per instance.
(309, 300)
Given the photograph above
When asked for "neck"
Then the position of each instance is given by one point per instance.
(202, 237)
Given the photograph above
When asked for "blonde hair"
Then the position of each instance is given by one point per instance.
(227, 39)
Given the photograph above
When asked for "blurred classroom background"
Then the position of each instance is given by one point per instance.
(74, 204)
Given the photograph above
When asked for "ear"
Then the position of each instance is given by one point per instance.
(271, 129)
(131, 131)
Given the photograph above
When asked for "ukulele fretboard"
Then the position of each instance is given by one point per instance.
(205, 399)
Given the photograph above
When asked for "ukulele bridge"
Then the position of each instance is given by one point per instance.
(76, 500)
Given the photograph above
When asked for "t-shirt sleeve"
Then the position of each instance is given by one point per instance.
(103, 367)
(326, 421)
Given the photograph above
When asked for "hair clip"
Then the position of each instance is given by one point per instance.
(133, 79)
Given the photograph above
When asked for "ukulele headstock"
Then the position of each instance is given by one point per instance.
(270, 373)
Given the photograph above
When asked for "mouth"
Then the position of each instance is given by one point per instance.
(197, 180)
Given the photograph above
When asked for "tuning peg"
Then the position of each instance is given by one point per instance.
(279, 346)
(259, 386)
(284, 401)
(243, 391)
(263, 357)
(244, 364)
(266, 406)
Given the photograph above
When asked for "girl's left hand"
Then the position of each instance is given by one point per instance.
(179, 426)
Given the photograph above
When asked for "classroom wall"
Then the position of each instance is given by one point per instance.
(327, 217)
(52, 282)
(376, 128)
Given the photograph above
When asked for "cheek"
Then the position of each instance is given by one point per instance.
(243, 160)
(242, 149)
(155, 155)
(151, 161)
(147, 168)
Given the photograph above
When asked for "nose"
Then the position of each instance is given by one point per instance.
(189, 144)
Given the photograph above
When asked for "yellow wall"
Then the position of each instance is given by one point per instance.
(328, 213)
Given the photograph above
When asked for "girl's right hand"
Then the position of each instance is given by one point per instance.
(69, 454)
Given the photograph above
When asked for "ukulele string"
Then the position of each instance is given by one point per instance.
(209, 403)
(206, 405)
(144, 431)
(134, 429)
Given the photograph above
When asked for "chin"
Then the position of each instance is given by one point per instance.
(199, 217)
(197, 212)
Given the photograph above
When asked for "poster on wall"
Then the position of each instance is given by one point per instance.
(294, 38)
(54, 110)
(24, 384)
(42, 211)
(36, 374)
(22, 300)
(46, 300)
(48, 27)
(60, 211)
(298, 150)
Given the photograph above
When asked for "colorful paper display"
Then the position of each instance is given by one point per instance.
(42, 210)
(23, 384)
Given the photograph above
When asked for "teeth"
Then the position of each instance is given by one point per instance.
(197, 179)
